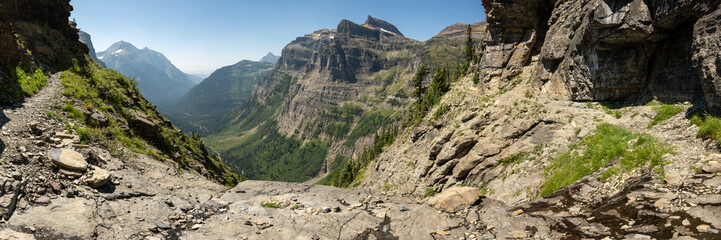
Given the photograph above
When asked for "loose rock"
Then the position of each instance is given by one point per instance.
(68, 158)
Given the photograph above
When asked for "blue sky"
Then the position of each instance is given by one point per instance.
(201, 36)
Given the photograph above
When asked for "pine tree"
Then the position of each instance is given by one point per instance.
(470, 48)
(417, 81)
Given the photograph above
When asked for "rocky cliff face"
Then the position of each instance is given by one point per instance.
(85, 38)
(604, 50)
(52, 43)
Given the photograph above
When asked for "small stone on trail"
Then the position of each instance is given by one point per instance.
(43, 200)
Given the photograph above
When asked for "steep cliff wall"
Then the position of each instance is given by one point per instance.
(592, 50)
(36, 34)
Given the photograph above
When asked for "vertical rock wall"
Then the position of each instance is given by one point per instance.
(607, 50)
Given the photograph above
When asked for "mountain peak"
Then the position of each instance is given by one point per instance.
(270, 58)
(121, 45)
(382, 25)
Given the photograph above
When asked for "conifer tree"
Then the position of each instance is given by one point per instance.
(470, 48)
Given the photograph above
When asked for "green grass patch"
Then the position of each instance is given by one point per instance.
(607, 143)
(30, 83)
(609, 173)
(664, 112)
(74, 112)
(515, 158)
(709, 127)
(272, 203)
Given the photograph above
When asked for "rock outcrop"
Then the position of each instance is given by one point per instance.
(382, 25)
(87, 39)
(24, 40)
(606, 50)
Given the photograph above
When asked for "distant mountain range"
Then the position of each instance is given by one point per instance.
(158, 79)
(197, 78)
(225, 88)
(270, 58)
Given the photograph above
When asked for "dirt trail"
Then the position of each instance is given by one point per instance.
(17, 118)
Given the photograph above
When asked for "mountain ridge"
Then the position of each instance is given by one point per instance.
(158, 79)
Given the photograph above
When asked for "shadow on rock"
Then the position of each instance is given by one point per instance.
(3, 120)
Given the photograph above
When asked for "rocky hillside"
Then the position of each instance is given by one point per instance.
(587, 114)
(205, 103)
(158, 79)
(328, 94)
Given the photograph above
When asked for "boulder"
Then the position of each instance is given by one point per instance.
(97, 119)
(142, 124)
(712, 167)
(43, 200)
(97, 177)
(674, 175)
(68, 158)
(455, 198)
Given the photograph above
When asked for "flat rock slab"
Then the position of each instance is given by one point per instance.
(13, 235)
(245, 217)
(71, 216)
(455, 198)
(68, 158)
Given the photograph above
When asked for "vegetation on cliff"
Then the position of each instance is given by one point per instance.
(608, 143)
(113, 112)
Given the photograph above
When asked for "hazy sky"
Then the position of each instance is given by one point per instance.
(199, 36)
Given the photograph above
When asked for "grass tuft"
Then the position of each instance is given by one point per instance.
(664, 112)
(429, 192)
(709, 127)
